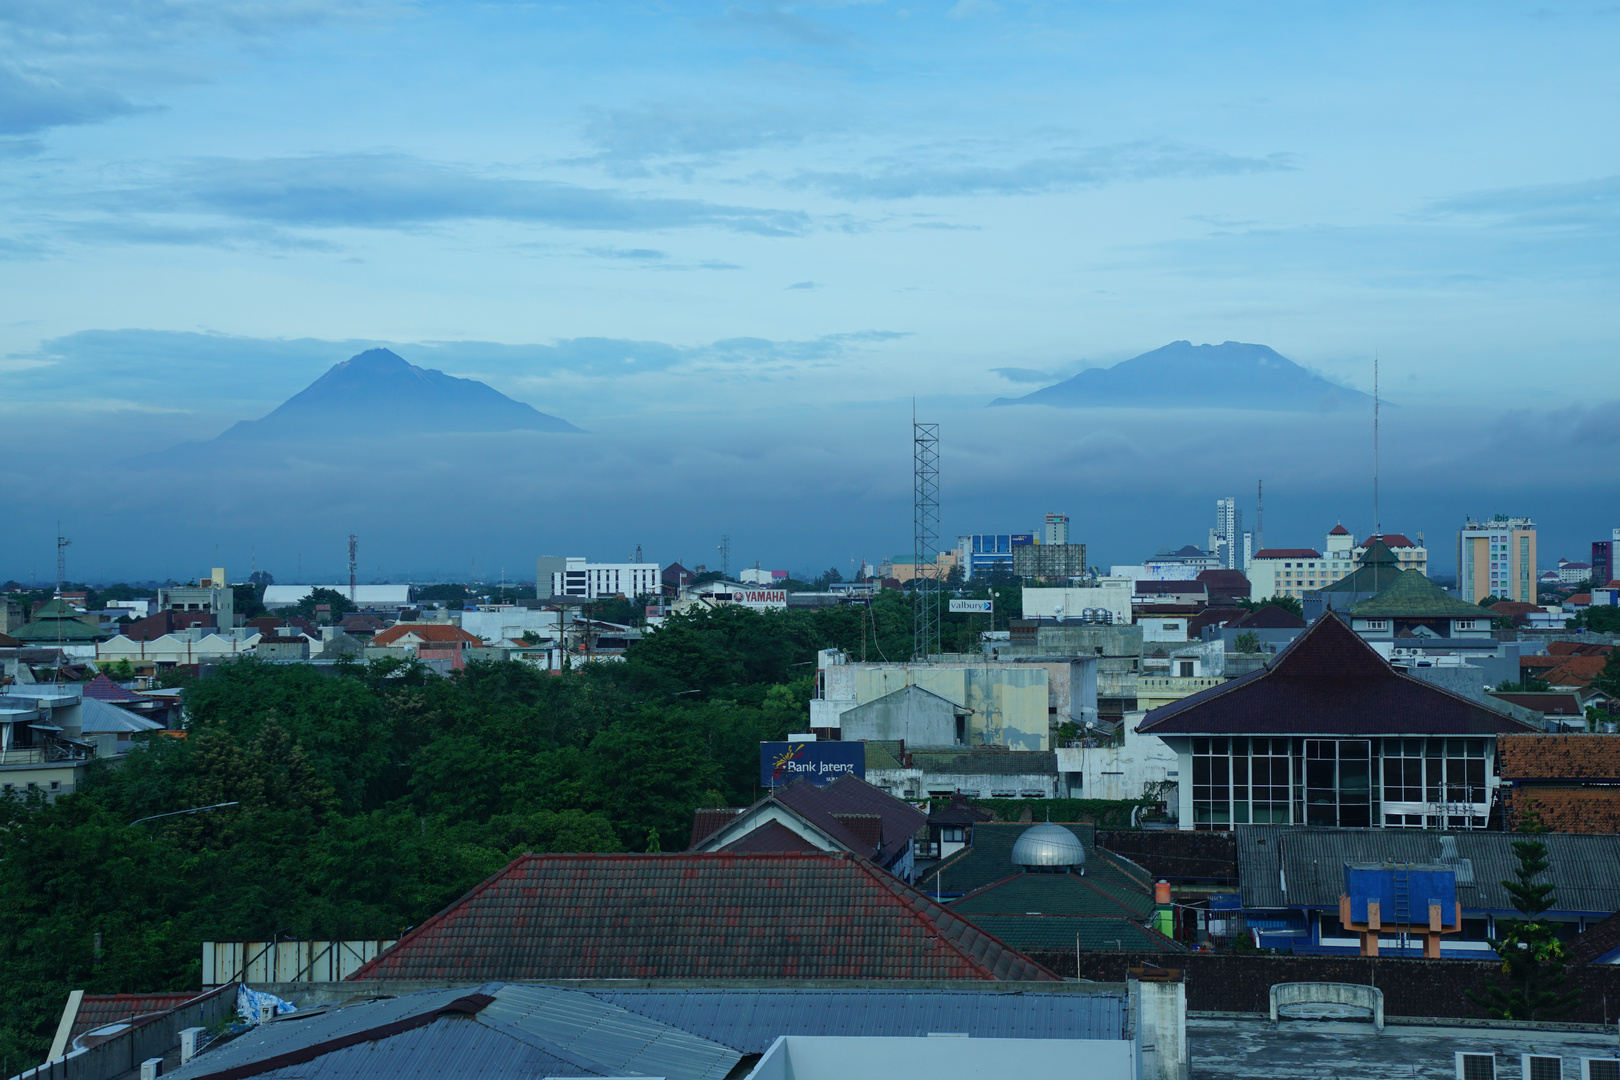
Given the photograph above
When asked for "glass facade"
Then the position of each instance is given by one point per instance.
(1428, 782)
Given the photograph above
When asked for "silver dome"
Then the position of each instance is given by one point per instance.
(1048, 845)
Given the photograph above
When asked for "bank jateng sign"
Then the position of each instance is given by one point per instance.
(781, 763)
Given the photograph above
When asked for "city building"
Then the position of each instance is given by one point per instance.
(1415, 609)
(755, 576)
(1226, 539)
(363, 596)
(1055, 532)
(1055, 563)
(211, 595)
(1185, 562)
(180, 649)
(1409, 554)
(1329, 733)
(988, 553)
(1573, 573)
(1604, 554)
(1497, 558)
(588, 580)
(41, 739)
(1571, 782)
(1108, 601)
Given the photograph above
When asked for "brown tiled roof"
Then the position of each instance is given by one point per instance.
(1580, 598)
(164, 622)
(1576, 671)
(438, 633)
(104, 689)
(1151, 588)
(1339, 530)
(1559, 757)
(1327, 681)
(1597, 941)
(1394, 540)
(1270, 617)
(1570, 809)
(705, 820)
(1578, 648)
(1516, 607)
(772, 836)
(1225, 582)
(860, 817)
(1288, 553)
(1548, 703)
(99, 1010)
(1539, 663)
(716, 915)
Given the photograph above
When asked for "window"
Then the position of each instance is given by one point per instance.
(1377, 624)
(1464, 624)
(953, 834)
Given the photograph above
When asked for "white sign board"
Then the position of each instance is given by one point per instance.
(972, 605)
(760, 598)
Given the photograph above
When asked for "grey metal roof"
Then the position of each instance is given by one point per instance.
(623, 1040)
(750, 1020)
(526, 1031)
(1584, 869)
(99, 717)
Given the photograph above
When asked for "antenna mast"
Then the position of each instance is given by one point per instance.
(1378, 524)
(925, 584)
(354, 542)
(725, 556)
(62, 543)
(1259, 516)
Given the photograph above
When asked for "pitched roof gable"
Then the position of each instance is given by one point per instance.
(711, 915)
(104, 689)
(1327, 681)
(438, 633)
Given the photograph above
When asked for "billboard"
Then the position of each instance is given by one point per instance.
(972, 605)
(781, 763)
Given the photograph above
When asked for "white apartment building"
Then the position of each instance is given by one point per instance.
(1408, 555)
(1297, 571)
(1056, 529)
(590, 580)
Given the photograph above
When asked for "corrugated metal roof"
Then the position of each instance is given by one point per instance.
(623, 1040)
(98, 718)
(1584, 869)
(750, 1020)
(450, 1048)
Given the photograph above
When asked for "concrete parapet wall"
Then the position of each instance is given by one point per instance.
(1357, 995)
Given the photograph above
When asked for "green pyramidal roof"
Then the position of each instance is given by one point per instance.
(1379, 570)
(1412, 595)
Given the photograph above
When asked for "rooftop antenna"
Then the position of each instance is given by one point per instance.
(1378, 523)
(354, 544)
(62, 543)
(1259, 516)
(638, 553)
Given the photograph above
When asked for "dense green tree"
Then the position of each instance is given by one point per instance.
(340, 604)
(1602, 620)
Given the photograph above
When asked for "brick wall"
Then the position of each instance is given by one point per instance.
(1237, 982)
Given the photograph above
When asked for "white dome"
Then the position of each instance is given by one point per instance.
(1047, 845)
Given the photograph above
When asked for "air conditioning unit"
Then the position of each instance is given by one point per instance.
(1476, 1066)
(1600, 1068)
(1541, 1067)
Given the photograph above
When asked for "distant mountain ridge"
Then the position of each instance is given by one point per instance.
(379, 392)
(1181, 375)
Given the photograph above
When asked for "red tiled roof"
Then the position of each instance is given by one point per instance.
(1226, 582)
(1569, 809)
(1559, 757)
(104, 689)
(1580, 598)
(99, 1010)
(1288, 553)
(442, 633)
(1576, 671)
(1393, 540)
(1339, 530)
(859, 816)
(1516, 607)
(715, 915)
(164, 622)
(1537, 664)
(1327, 681)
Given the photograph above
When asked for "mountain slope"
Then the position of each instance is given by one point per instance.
(1181, 375)
(377, 392)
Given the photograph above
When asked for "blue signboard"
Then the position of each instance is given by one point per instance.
(781, 763)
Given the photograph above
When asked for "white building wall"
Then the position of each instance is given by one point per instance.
(1112, 595)
(606, 579)
(1119, 772)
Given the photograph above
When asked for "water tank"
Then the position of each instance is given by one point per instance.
(1048, 848)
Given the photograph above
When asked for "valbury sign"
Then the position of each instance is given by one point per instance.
(781, 763)
(971, 605)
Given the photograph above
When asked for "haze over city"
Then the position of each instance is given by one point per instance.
(734, 244)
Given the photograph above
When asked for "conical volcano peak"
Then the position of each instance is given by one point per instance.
(380, 391)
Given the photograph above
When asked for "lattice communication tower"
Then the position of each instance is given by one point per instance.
(925, 585)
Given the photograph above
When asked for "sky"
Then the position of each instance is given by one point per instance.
(737, 242)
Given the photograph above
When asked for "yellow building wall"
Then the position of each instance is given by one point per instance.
(1009, 703)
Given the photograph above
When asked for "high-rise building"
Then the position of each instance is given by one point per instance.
(1603, 559)
(989, 553)
(580, 578)
(1228, 533)
(1057, 530)
(1497, 558)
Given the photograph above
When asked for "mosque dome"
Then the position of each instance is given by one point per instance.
(1048, 849)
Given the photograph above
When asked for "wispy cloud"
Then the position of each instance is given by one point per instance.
(1587, 204)
(1025, 375)
(897, 178)
(804, 285)
(32, 101)
(678, 139)
(398, 191)
(782, 25)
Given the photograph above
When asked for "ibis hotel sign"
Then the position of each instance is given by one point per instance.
(781, 763)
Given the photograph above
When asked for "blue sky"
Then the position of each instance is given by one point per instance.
(734, 240)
